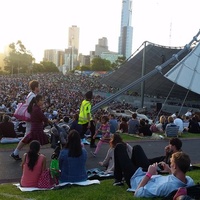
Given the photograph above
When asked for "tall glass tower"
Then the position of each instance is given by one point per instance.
(126, 32)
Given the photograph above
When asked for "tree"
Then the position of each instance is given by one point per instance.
(85, 68)
(49, 66)
(37, 67)
(99, 64)
(19, 59)
(120, 60)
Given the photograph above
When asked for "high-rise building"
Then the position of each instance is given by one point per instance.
(71, 54)
(126, 32)
(73, 37)
(54, 55)
(101, 47)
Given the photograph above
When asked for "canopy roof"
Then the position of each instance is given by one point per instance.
(157, 85)
(187, 72)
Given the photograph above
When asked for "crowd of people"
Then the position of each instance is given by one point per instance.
(51, 98)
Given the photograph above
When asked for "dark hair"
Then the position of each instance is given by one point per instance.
(66, 119)
(182, 160)
(112, 115)
(105, 118)
(142, 122)
(176, 142)
(116, 138)
(34, 149)
(34, 101)
(33, 84)
(74, 144)
(124, 119)
(134, 115)
(88, 95)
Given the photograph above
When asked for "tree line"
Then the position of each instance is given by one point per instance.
(20, 60)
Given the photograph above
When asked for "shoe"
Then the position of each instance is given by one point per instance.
(16, 157)
(118, 183)
(94, 154)
(93, 146)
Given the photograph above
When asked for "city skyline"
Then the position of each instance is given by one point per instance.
(44, 24)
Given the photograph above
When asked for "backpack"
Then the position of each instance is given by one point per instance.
(54, 168)
(192, 191)
(54, 165)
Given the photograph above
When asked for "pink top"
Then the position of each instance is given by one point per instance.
(30, 178)
(105, 129)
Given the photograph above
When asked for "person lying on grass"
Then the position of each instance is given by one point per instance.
(149, 183)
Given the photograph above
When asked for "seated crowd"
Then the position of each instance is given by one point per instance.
(125, 162)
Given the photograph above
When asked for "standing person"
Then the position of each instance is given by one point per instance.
(34, 87)
(105, 130)
(149, 183)
(72, 160)
(85, 119)
(38, 120)
(33, 163)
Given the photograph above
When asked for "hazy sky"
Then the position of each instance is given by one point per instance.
(43, 24)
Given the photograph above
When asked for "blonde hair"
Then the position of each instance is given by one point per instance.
(162, 119)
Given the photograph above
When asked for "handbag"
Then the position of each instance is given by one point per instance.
(21, 112)
(45, 180)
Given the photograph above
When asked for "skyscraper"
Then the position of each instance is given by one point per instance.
(73, 37)
(71, 54)
(126, 32)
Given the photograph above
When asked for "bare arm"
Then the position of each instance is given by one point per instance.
(44, 163)
(23, 160)
(152, 170)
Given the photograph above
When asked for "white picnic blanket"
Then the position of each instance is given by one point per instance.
(83, 183)
(6, 140)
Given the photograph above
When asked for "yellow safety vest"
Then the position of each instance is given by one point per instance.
(84, 110)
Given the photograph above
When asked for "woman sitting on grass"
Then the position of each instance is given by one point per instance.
(72, 160)
(33, 163)
(108, 162)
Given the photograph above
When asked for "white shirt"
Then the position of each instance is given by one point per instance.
(179, 123)
(158, 185)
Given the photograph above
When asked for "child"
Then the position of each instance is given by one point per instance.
(105, 130)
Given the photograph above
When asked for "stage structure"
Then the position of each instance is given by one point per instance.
(159, 70)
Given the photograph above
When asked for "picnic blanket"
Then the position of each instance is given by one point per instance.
(6, 140)
(96, 173)
(82, 183)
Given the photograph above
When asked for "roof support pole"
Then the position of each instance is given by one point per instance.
(157, 69)
(143, 73)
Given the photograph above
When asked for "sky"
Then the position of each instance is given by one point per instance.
(44, 24)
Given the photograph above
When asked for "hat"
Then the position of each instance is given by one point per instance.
(88, 95)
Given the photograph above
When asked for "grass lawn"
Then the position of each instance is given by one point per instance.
(125, 137)
(105, 190)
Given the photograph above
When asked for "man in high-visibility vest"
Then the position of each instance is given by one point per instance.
(85, 119)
